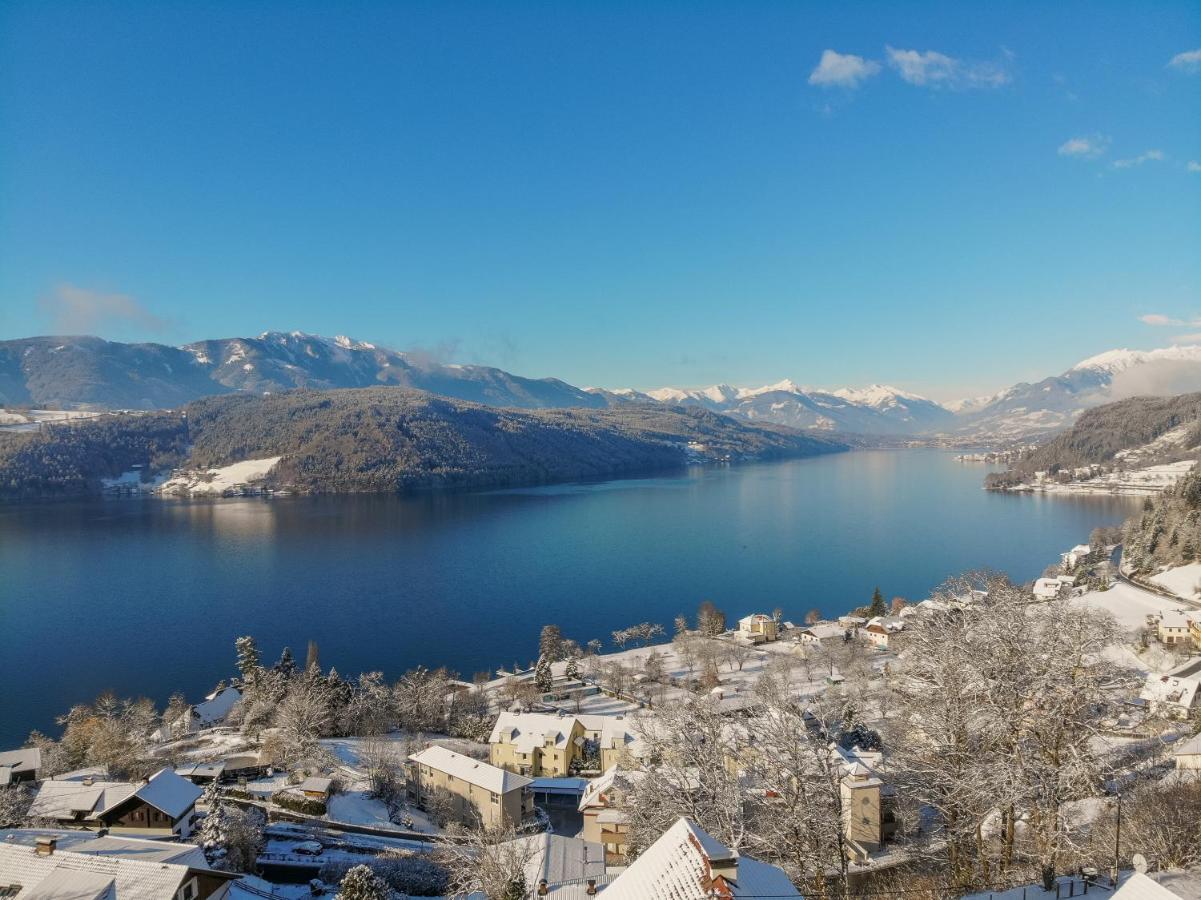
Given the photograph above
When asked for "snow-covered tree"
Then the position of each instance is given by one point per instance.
(421, 699)
(695, 754)
(710, 620)
(550, 643)
(491, 861)
(304, 716)
(543, 677)
(14, 805)
(572, 672)
(286, 666)
(361, 883)
(232, 836)
(249, 664)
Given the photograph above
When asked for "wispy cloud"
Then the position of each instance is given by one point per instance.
(76, 310)
(1193, 166)
(1188, 62)
(1087, 146)
(1159, 320)
(843, 70)
(1149, 156)
(1193, 337)
(937, 70)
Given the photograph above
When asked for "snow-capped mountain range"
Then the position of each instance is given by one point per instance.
(67, 372)
(1019, 411)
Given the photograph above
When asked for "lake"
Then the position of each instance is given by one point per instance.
(146, 596)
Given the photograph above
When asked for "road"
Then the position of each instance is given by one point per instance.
(1151, 589)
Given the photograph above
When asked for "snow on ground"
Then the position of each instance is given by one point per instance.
(359, 809)
(1132, 482)
(1181, 580)
(1128, 604)
(216, 482)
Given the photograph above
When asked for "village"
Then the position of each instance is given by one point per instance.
(576, 775)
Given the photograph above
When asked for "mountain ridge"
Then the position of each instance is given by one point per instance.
(88, 372)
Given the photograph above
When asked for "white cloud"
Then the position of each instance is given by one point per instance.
(1193, 338)
(1160, 320)
(1193, 166)
(1087, 146)
(1189, 61)
(934, 69)
(842, 70)
(76, 310)
(1149, 156)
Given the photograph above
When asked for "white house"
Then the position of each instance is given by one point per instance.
(1174, 693)
(1188, 755)
(822, 632)
(213, 710)
(877, 635)
(759, 628)
(1073, 557)
(1173, 627)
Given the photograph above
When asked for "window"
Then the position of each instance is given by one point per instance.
(495, 798)
(189, 891)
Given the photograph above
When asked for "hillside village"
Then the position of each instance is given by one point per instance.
(895, 748)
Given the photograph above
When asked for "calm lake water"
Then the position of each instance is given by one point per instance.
(146, 596)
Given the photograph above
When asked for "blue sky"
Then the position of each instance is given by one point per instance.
(623, 194)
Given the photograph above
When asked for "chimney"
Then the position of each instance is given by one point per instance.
(591, 889)
(724, 866)
(45, 846)
(543, 889)
(88, 781)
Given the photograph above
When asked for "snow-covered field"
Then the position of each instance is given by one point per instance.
(216, 482)
(1133, 482)
(33, 419)
(1128, 604)
(1181, 581)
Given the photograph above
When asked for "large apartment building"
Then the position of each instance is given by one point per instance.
(467, 790)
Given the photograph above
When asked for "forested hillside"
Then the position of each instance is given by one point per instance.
(1100, 434)
(387, 439)
(1168, 531)
(69, 460)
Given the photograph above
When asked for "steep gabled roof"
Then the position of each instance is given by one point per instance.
(687, 863)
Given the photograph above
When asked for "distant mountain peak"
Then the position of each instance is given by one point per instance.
(879, 395)
(1114, 361)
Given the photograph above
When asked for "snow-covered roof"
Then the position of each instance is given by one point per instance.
(1170, 689)
(684, 863)
(473, 771)
(557, 859)
(592, 795)
(824, 630)
(1174, 618)
(528, 731)
(109, 845)
(315, 785)
(1188, 748)
(67, 799)
(27, 759)
(71, 874)
(216, 706)
(169, 793)
(1140, 886)
(754, 617)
